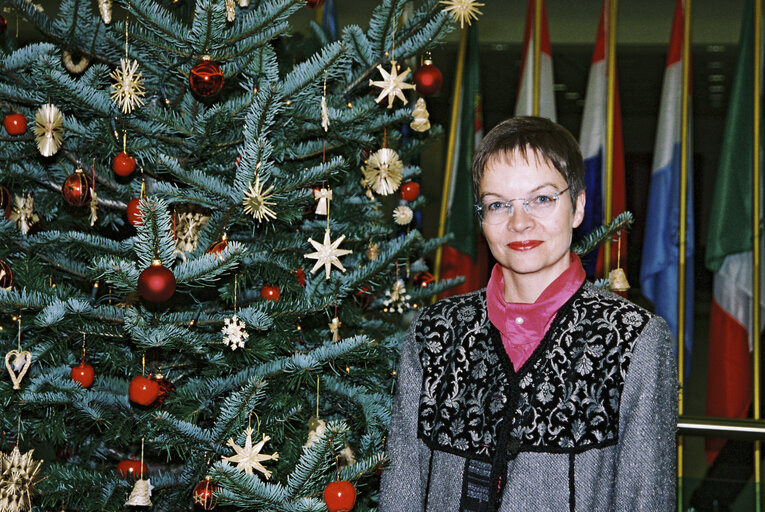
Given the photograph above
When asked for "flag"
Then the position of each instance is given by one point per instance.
(661, 251)
(524, 105)
(592, 140)
(729, 246)
(465, 255)
(329, 19)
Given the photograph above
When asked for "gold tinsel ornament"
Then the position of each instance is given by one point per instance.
(463, 11)
(18, 476)
(49, 123)
(384, 171)
(392, 84)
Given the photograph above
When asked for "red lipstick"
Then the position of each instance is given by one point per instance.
(524, 245)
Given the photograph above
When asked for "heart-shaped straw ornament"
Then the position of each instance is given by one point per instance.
(22, 359)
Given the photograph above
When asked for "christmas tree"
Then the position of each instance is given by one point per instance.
(206, 254)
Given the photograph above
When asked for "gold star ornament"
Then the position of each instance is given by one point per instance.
(127, 89)
(463, 11)
(327, 254)
(256, 201)
(248, 457)
(392, 84)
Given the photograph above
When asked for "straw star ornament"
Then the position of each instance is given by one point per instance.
(49, 124)
(327, 254)
(463, 11)
(392, 84)
(248, 457)
(256, 201)
(127, 89)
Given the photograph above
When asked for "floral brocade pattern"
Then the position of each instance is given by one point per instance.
(565, 398)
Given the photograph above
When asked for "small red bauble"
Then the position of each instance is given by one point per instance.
(134, 215)
(428, 79)
(165, 387)
(131, 468)
(143, 391)
(83, 374)
(313, 4)
(123, 164)
(219, 246)
(206, 78)
(203, 494)
(300, 274)
(340, 496)
(6, 201)
(76, 188)
(3, 24)
(6, 275)
(409, 191)
(15, 124)
(156, 283)
(424, 279)
(270, 292)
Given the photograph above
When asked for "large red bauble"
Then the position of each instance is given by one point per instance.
(156, 283)
(123, 164)
(409, 191)
(143, 391)
(6, 201)
(6, 275)
(83, 374)
(313, 4)
(76, 188)
(203, 494)
(131, 468)
(340, 496)
(15, 124)
(270, 292)
(206, 78)
(428, 79)
(134, 215)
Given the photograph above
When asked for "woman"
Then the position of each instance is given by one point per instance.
(541, 392)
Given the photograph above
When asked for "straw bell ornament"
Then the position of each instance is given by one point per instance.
(140, 496)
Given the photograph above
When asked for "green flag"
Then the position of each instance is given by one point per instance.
(731, 219)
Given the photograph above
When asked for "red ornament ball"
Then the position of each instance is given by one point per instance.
(83, 374)
(134, 213)
(6, 275)
(76, 188)
(206, 78)
(424, 279)
(131, 468)
(340, 496)
(203, 494)
(165, 387)
(143, 391)
(428, 79)
(15, 124)
(3, 24)
(300, 275)
(313, 4)
(123, 164)
(409, 191)
(6, 201)
(270, 292)
(156, 283)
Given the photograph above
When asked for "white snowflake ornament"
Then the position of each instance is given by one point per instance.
(234, 334)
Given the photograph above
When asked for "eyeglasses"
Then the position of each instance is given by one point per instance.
(498, 212)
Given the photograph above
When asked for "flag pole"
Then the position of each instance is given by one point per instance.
(755, 332)
(681, 270)
(537, 56)
(610, 93)
(448, 174)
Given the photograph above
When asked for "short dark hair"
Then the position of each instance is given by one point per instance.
(537, 135)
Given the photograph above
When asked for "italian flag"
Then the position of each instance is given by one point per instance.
(729, 249)
(466, 255)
